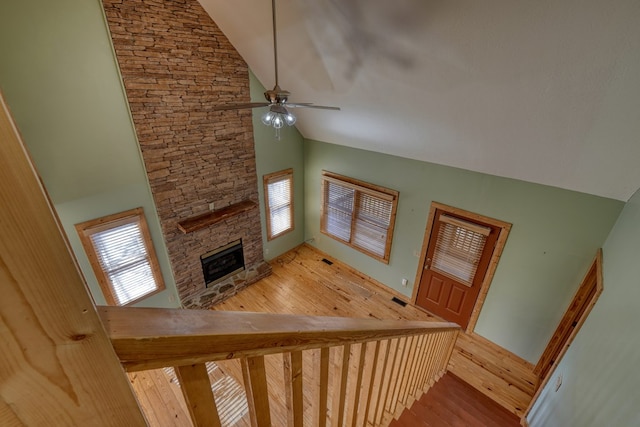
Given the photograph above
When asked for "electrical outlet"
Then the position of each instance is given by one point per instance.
(405, 282)
(558, 381)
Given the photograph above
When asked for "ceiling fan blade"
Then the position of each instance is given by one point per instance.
(310, 105)
(240, 106)
(277, 97)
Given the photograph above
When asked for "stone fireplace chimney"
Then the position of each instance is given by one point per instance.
(176, 64)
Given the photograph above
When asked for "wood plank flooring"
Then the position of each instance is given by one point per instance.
(500, 375)
(302, 283)
(452, 402)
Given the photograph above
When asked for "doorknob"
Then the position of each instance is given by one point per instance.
(427, 263)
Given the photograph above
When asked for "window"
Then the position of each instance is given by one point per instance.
(359, 214)
(278, 195)
(459, 247)
(121, 254)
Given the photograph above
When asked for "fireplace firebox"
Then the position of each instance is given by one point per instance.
(222, 262)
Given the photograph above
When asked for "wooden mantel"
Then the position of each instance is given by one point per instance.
(206, 219)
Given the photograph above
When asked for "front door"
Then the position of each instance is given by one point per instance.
(457, 259)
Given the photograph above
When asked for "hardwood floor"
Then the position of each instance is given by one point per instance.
(301, 283)
(452, 402)
(304, 283)
(500, 375)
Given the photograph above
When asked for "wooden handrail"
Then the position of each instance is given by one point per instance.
(149, 338)
(413, 355)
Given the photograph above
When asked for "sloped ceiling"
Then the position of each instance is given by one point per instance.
(542, 91)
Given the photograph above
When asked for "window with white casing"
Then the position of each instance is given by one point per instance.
(121, 253)
(278, 194)
(359, 214)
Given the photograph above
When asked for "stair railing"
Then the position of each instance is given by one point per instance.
(357, 372)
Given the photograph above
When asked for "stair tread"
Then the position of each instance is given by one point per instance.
(452, 402)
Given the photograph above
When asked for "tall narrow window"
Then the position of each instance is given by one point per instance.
(359, 214)
(121, 254)
(278, 195)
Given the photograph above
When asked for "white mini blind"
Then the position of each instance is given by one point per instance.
(459, 247)
(372, 224)
(122, 254)
(279, 201)
(359, 216)
(339, 210)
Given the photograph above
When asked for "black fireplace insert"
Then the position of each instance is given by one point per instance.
(222, 262)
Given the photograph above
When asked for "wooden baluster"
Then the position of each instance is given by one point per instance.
(391, 378)
(341, 376)
(452, 337)
(196, 388)
(424, 372)
(323, 388)
(413, 375)
(399, 374)
(442, 360)
(406, 375)
(420, 384)
(255, 384)
(433, 362)
(383, 382)
(293, 387)
(389, 364)
(352, 410)
(443, 350)
(372, 381)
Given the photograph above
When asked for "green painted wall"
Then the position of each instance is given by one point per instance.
(274, 155)
(600, 374)
(60, 79)
(554, 237)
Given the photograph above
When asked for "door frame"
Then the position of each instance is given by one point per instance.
(504, 227)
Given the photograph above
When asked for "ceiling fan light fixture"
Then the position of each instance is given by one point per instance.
(278, 120)
(289, 119)
(277, 99)
(267, 118)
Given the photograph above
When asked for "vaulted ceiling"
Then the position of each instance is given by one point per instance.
(542, 91)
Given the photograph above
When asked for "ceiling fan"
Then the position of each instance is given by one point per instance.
(277, 98)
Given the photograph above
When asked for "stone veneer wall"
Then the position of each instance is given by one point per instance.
(176, 64)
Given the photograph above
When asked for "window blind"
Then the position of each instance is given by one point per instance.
(339, 210)
(279, 201)
(459, 247)
(359, 216)
(372, 224)
(122, 254)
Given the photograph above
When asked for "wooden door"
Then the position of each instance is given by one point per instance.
(457, 259)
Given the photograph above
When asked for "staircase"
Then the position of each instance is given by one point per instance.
(452, 402)
(295, 370)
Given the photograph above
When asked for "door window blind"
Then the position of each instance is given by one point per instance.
(459, 247)
(359, 216)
